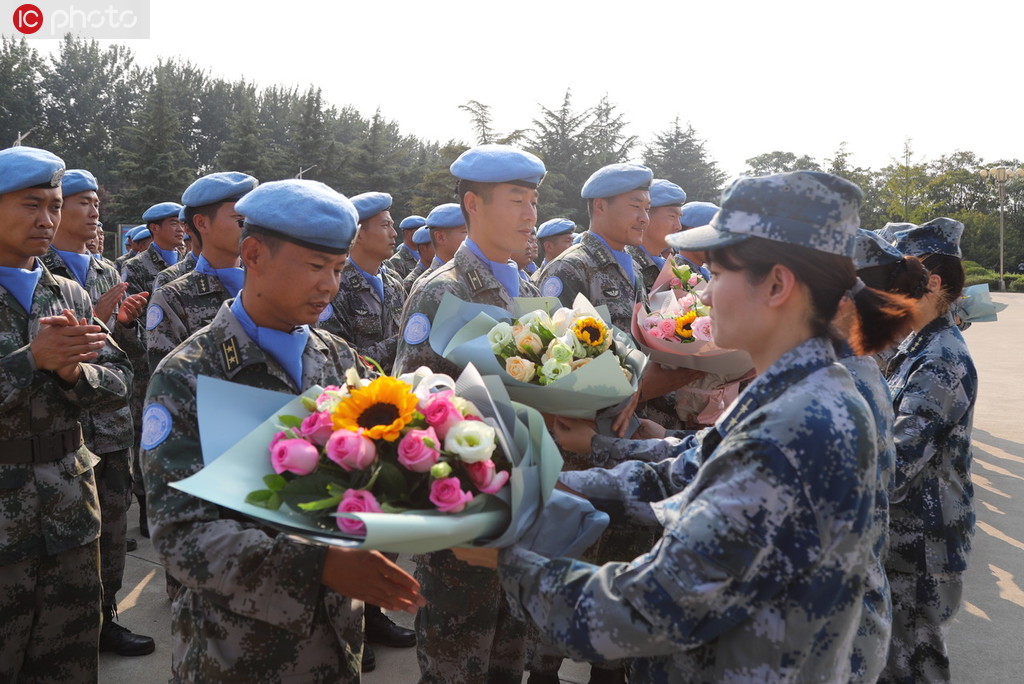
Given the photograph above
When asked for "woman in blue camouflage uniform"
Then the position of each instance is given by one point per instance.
(934, 386)
(768, 540)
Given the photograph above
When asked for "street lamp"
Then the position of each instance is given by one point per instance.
(1001, 174)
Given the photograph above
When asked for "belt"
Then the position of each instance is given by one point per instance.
(40, 448)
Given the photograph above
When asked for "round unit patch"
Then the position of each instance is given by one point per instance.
(153, 316)
(326, 314)
(156, 426)
(551, 287)
(417, 328)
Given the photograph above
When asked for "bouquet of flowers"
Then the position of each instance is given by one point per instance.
(568, 362)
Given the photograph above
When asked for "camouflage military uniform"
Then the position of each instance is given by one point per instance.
(369, 325)
(141, 270)
(120, 261)
(180, 308)
(110, 436)
(186, 264)
(252, 608)
(759, 575)
(403, 261)
(414, 274)
(934, 386)
(649, 270)
(466, 632)
(49, 510)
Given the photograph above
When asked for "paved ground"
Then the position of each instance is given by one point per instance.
(986, 642)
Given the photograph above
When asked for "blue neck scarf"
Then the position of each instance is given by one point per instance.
(170, 256)
(507, 274)
(231, 278)
(375, 282)
(694, 267)
(77, 263)
(97, 256)
(624, 259)
(658, 261)
(21, 283)
(285, 347)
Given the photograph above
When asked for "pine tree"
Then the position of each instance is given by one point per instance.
(677, 155)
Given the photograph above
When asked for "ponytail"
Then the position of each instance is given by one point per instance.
(882, 319)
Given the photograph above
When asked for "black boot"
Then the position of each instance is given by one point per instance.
(599, 675)
(381, 630)
(369, 658)
(121, 640)
(143, 517)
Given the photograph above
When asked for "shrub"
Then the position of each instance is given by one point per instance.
(1016, 286)
(992, 280)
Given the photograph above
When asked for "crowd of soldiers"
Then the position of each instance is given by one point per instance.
(818, 531)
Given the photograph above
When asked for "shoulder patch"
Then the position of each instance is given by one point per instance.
(230, 350)
(551, 287)
(154, 314)
(417, 328)
(156, 426)
(611, 292)
(326, 314)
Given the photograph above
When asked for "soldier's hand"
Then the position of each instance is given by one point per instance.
(132, 307)
(483, 558)
(103, 308)
(63, 342)
(658, 381)
(622, 419)
(573, 434)
(649, 430)
(371, 577)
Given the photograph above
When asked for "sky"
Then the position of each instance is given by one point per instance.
(750, 77)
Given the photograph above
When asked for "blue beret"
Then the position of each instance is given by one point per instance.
(159, 212)
(445, 216)
(187, 236)
(556, 226)
(370, 204)
(806, 208)
(577, 238)
(498, 164)
(666, 194)
(696, 214)
(304, 212)
(76, 181)
(24, 167)
(141, 233)
(889, 230)
(218, 187)
(421, 236)
(938, 236)
(871, 249)
(616, 179)
(412, 222)
(181, 216)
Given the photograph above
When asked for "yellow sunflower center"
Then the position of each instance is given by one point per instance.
(380, 410)
(590, 331)
(683, 325)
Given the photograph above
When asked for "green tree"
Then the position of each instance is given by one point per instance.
(872, 212)
(679, 156)
(22, 72)
(606, 140)
(903, 191)
(779, 162)
(558, 139)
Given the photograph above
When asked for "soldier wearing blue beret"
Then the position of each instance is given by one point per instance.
(406, 256)
(58, 362)
(293, 244)
(466, 633)
(446, 231)
(694, 215)
(425, 259)
(554, 236)
(667, 200)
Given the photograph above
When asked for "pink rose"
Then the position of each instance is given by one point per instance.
(650, 322)
(441, 413)
(687, 302)
(356, 501)
(351, 450)
(667, 327)
(326, 398)
(415, 453)
(317, 427)
(448, 496)
(694, 279)
(656, 333)
(675, 283)
(487, 478)
(278, 436)
(702, 329)
(293, 455)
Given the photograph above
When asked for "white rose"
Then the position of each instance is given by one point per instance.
(559, 351)
(561, 320)
(471, 441)
(552, 370)
(500, 337)
(535, 318)
(519, 368)
(466, 407)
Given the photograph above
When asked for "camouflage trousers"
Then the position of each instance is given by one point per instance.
(466, 634)
(922, 608)
(51, 618)
(114, 486)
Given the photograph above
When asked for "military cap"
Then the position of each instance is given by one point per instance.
(806, 208)
(577, 238)
(889, 230)
(412, 222)
(498, 164)
(421, 236)
(25, 167)
(370, 204)
(938, 236)
(666, 194)
(446, 216)
(616, 179)
(871, 249)
(76, 181)
(222, 186)
(141, 233)
(159, 212)
(696, 214)
(305, 212)
(555, 226)
(186, 237)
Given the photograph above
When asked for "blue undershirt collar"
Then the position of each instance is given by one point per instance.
(375, 282)
(231, 278)
(170, 256)
(285, 347)
(77, 263)
(21, 283)
(506, 274)
(623, 258)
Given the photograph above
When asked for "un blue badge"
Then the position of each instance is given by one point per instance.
(156, 426)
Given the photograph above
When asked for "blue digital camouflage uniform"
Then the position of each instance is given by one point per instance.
(252, 608)
(110, 435)
(180, 308)
(466, 632)
(186, 264)
(934, 386)
(760, 573)
(363, 320)
(49, 510)
(403, 261)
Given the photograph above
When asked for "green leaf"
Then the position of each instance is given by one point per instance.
(390, 481)
(321, 504)
(391, 508)
(289, 421)
(264, 498)
(309, 404)
(274, 482)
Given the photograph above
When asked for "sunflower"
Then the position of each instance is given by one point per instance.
(380, 410)
(590, 331)
(683, 323)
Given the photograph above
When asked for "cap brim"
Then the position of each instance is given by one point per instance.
(703, 239)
